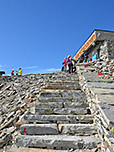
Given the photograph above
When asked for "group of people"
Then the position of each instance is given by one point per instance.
(16, 72)
(69, 64)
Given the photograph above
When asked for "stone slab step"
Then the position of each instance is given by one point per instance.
(62, 111)
(101, 85)
(108, 113)
(107, 99)
(49, 105)
(54, 129)
(66, 77)
(52, 81)
(99, 80)
(60, 93)
(94, 77)
(78, 129)
(60, 105)
(91, 74)
(75, 105)
(59, 142)
(15, 149)
(76, 94)
(39, 129)
(59, 118)
(44, 150)
(63, 86)
(78, 98)
(100, 91)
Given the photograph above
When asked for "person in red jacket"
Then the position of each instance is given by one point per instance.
(12, 72)
(65, 64)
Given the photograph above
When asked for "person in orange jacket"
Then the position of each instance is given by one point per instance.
(12, 72)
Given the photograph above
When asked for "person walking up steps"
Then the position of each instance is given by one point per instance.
(70, 64)
(20, 71)
(74, 65)
(65, 64)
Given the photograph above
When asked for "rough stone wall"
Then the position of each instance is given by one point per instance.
(107, 51)
(16, 97)
(106, 67)
(111, 50)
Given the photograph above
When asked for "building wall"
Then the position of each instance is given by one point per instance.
(107, 50)
(98, 40)
(94, 50)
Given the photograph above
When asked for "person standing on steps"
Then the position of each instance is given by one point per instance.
(70, 64)
(12, 72)
(16, 72)
(20, 71)
(74, 65)
(65, 64)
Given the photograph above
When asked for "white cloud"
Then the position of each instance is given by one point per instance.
(30, 67)
(50, 70)
(1, 66)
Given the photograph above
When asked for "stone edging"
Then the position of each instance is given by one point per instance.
(100, 119)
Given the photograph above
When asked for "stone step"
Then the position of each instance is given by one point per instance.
(78, 129)
(100, 91)
(101, 85)
(52, 81)
(99, 80)
(62, 111)
(15, 149)
(68, 104)
(66, 77)
(75, 105)
(54, 129)
(49, 105)
(106, 99)
(80, 99)
(65, 85)
(59, 118)
(91, 74)
(63, 78)
(39, 129)
(94, 77)
(59, 142)
(72, 94)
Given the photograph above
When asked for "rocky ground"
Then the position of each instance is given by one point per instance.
(45, 111)
(58, 111)
(16, 94)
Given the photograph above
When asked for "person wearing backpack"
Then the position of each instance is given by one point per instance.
(70, 64)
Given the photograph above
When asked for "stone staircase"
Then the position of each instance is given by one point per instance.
(60, 119)
(99, 90)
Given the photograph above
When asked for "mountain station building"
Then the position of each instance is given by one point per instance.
(99, 45)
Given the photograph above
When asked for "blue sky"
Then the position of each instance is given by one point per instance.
(37, 34)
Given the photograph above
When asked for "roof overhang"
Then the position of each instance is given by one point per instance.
(97, 35)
